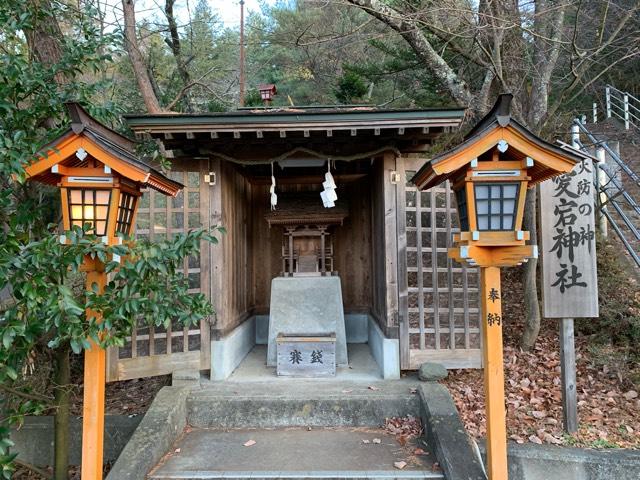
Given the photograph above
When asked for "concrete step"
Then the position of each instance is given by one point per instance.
(301, 404)
(294, 453)
(323, 475)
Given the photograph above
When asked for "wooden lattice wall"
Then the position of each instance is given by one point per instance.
(440, 312)
(157, 350)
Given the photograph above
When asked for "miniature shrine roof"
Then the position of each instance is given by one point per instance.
(483, 138)
(306, 209)
(101, 143)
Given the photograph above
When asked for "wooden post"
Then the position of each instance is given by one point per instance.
(94, 386)
(290, 231)
(568, 372)
(494, 373)
(323, 267)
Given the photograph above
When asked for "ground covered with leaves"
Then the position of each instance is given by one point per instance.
(129, 397)
(608, 373)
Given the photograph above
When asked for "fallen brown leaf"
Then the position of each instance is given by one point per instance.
(535, 439)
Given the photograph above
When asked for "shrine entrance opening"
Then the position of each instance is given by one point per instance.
(301, 240)
(302, 237)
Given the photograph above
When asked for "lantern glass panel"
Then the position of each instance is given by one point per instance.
(125, 213)
(463, 215)
(89, 207)
(496, 205)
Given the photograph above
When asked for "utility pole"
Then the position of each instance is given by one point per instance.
(242, 53)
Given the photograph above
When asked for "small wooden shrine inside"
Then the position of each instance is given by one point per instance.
(307, 243)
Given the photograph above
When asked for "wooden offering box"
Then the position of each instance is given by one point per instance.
(306, 355)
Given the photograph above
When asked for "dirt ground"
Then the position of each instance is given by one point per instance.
(129, 397)
(607, 385)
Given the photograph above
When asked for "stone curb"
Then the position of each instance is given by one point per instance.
(446, 434)
(545, 462)
(34, 441)
(162, 425)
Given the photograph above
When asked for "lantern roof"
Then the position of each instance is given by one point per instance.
(499, 126)
(267, 86)
(86, 139)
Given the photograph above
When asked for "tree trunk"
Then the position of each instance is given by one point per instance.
(174, 44)
(44, 41)
(61, 419)
(137, 62)
(45, 37)
(531, 305)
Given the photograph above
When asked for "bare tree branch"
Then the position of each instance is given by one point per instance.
(440, 69)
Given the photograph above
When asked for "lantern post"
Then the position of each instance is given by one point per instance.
(100, 181)
(490, 172)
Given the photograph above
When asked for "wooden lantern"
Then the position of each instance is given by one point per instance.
(267, 92)
(490, 172)
(99, 177)
(100, 181)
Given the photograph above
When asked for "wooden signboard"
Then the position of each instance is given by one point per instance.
(306, 356)
(567, 212)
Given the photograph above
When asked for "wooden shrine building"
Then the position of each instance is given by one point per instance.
(385, 240)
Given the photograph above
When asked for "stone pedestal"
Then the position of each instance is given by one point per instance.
(307, 306)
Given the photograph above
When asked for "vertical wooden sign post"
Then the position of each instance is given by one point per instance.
(569, 273)
(490, 172)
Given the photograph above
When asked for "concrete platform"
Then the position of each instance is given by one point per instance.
(362, 367)
(293, 453)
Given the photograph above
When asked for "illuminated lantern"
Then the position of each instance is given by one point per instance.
(100, 180)
(490, 172)
(99, 177)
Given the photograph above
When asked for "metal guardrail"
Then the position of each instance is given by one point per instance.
(612, 182)
(623, 106)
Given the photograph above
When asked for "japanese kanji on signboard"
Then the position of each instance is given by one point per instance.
(568, 249)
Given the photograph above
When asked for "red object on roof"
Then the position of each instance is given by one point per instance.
(267, 91)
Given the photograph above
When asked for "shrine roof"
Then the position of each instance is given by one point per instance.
(265, 135)
(292, 116)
